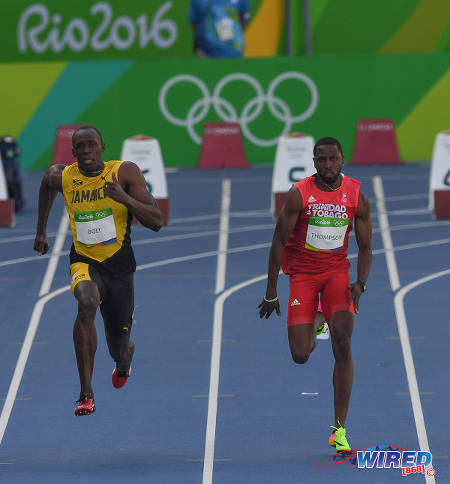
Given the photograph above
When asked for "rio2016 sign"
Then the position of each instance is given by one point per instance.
(51, 30)
(121, 33)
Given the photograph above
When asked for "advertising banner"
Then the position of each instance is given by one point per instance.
(269, 98)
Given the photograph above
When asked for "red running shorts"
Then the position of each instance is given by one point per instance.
(333, 287)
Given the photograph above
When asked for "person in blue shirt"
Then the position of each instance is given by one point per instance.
(219, 27)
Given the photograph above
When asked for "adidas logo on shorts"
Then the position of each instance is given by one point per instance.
(295, 303)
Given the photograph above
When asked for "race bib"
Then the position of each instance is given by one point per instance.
(225, 29)
(96, 227)
(326, 233)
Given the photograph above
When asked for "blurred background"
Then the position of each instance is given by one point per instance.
(310, 66)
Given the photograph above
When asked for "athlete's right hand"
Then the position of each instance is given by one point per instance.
(41, 244)
(266, 308)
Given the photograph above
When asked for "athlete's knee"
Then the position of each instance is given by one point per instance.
(118, 348)
(300, 356)
(342, 347)
(87, 304)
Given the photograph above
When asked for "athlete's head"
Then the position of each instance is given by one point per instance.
(328, 159)
(327, 141)
(88, 148)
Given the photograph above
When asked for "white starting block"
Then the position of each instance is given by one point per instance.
(146, 153)
(293, 162)
(440, 176)
(7, 218)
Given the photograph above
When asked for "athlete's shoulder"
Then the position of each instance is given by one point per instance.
(305, 182)
(352, 181)
(113, 163)
(129, 172)
(68, 171)
(72, 168)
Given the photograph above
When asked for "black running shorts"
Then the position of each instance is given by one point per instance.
(116, 296)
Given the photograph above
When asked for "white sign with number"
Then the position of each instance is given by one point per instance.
(440, 165)
(293, 162)
(146, 153)
(3, 186)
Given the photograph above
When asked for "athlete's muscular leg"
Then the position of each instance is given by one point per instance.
(301, 341)
(121, 349)
(341, 329)
(117, 311)
(84, 332)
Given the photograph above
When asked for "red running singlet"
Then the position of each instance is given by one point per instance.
(319, 240)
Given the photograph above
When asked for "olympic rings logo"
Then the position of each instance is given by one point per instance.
(340, 223)
(251, 110)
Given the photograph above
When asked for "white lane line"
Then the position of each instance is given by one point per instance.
(217, 331)
(208, 233)
(23, 357)
(208, 462)
(411, 196)
(223, 237)
(209, 445)
(202, 255)
(422, 244)
(196, 218)
(231, 251)
(409, 362)
(409, 211)
(54, 258)
(21, 260)
(24, 237)
(175, 260)
(420, 225)
(34, 323)
(250, 228)
(385, 233)
(252, 213)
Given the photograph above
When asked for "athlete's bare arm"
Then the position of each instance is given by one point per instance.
(51, 184)
(132, 191)
(363, 232)
(285, 225)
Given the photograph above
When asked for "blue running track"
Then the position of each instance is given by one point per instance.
(214, 395)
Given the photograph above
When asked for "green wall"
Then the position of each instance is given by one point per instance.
(321, 96)
(51, 30)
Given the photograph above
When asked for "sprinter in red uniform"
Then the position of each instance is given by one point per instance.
(310, 243)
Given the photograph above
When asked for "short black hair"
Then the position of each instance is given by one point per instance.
(88, 126)
(328, 141)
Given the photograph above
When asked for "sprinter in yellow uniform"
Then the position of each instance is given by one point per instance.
(101, 198)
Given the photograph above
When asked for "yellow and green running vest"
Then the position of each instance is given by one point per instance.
(100, 225)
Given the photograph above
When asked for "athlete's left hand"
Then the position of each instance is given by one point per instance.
(115, 191)
(266, 308)
(355, 293)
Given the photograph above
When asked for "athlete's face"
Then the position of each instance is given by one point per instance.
(328, 162)
(88, 149)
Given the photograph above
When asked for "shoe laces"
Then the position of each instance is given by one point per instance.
(338, 428)
(84, 398)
